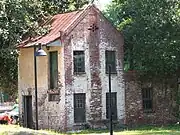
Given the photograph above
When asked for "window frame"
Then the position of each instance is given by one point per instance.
(108, 62)
(147, 99)
(82, 63)
(50, 99)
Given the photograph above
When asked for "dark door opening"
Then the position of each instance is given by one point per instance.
(27, 118)
(79, 107)
(113, 105)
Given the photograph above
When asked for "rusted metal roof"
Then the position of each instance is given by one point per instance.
(59, 23)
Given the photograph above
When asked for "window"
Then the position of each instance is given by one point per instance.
(111, 60)
(113, 105)
(53, 60)
(147, 99)
(79, 63)
(54, 97)
(79, 107)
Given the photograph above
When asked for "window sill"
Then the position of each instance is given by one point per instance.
(79, 123)
(148, 111)
(79, 73)
(53, 101)
(113, 73)
(53, 91)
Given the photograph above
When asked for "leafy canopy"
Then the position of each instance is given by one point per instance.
(19, 19)
(151, 30)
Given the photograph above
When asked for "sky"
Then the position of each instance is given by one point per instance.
(102, 3)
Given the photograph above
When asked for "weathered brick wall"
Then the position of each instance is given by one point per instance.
(163, 99)
(111, 39)
(95, 69)
(95, 80)
(80, 39)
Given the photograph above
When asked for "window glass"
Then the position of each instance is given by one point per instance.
(79, 63)
(147, 99)
(110, 60)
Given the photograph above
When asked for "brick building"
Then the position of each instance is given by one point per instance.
(73, 78)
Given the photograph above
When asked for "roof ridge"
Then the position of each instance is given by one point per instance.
(82, 12)
(73, 21)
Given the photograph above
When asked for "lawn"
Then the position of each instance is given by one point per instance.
(146, 130)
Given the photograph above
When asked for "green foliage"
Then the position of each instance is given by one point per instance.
(8, 65)
(151, 30)
(59, 6)
(20, 19)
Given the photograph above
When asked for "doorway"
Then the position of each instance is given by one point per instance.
(113, 105)
(27, 118)
(79, 107)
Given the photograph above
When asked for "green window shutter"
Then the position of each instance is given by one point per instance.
(53, 70)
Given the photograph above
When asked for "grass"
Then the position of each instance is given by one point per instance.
(145, 130)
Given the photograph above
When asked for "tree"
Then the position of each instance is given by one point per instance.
(19, 19)
(151, 30)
